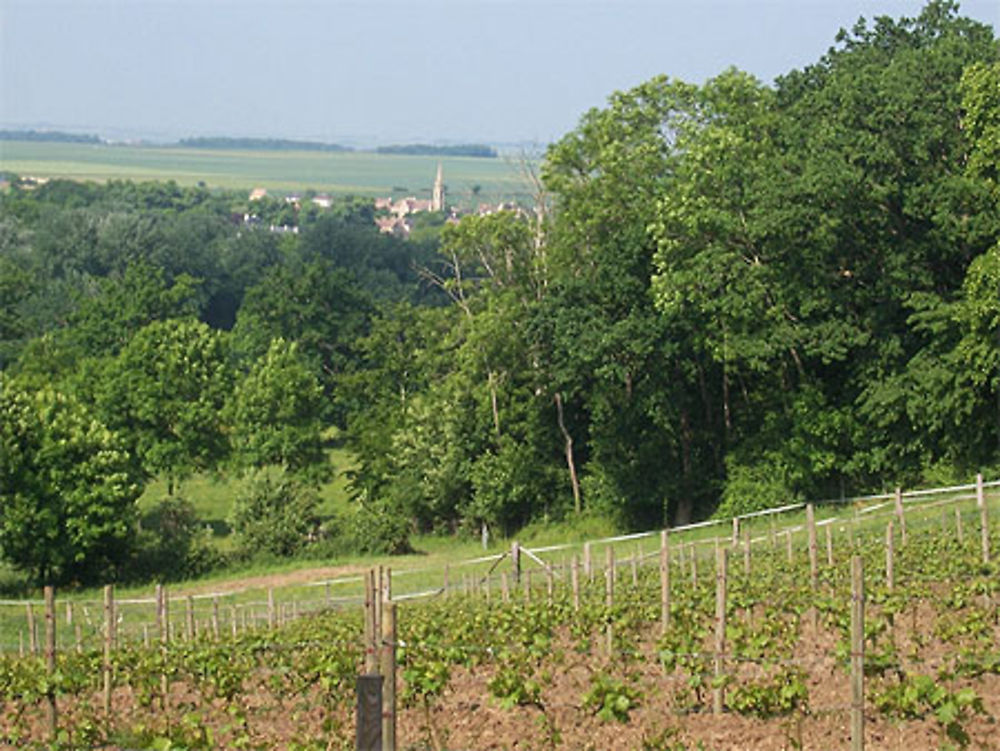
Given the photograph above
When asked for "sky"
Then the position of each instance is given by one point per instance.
(384, 71)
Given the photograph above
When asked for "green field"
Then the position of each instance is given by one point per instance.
(339, 173)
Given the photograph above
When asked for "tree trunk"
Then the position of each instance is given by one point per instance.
(574, 480)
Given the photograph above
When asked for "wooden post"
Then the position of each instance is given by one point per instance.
(829, 546)
(32, 630)
(721, 566)
(189, 618)
(504, 587)
(69, 613)
(588, 568)
(575, 583)
(984, 521)
(388, 670)
(109, 638)
(635, 570)
(901, 517)
(890, 579)
(369, 717)
(958, 527)
(270, 608)
(664, 581)
(50, 660)
(371, 624)
(609, 599)
(78, 636)
(857, 655)
(746, 552)
(694, 565)
(813, 563)
(788, 545)
(549, 584)
(215, 617)
(515, 560)
(163, 624)
(736, 531)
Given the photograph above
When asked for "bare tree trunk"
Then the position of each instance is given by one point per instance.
(491, 380)
(574, 480)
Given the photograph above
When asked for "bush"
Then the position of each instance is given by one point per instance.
(173, 543)
(379, 529)
(275, 513)
(755, 486)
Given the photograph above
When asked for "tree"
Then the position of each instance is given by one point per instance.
(274, 414)
(166, 392)
(274, 513)
(67, 489)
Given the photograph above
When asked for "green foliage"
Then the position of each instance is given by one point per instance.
(274, 415)
(172, 543)
(919, 695)
(67, 489)
(166, 392)
(610, 698)
(377, 528)
(274, 513)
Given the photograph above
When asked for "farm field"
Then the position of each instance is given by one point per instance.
(491, 664)
(337, 173)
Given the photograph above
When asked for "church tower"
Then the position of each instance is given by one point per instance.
(437, 198)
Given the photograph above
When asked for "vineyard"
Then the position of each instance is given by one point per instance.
(696, 639)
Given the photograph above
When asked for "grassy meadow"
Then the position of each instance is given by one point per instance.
(336, 173)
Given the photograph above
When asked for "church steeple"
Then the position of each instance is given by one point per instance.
(437, 198)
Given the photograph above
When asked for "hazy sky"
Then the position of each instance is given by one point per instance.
(384, 71)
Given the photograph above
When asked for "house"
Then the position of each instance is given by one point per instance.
(258, 193)
(323, 201)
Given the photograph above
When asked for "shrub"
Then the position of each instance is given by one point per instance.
(275, 513)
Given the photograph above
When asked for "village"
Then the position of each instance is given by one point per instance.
(392, 216)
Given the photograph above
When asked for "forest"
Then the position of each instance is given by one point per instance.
(726, 297)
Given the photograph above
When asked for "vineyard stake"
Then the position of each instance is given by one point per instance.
(575, 583)
(721, 567)
(109, 636)
(901, 517)
(788, 545)
(890, 578)
(388, 670)
(371, 624)
(829, 546)
(958, 527)
(32, 632)
(215, 618)
(189, 618)
(984, 521)
(694, 566)
(609, 598)
(588, 568)
(813, 563)
(515, 559)
(857, 654)
(50, 659)
(270, 608)
(664, 581)
(746, 552)
(163, 623)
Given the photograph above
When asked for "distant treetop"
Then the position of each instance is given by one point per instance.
(423, 149)
(259, 144)
(48, 135)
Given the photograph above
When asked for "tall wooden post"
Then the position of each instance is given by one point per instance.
(163, 624)
(50, 660)
(515, 560)
(721, 566)
(575, 583)
(857, 655)
(813, 563)
(388, 670)
(371, 624)
(588, 564)
(271, 616)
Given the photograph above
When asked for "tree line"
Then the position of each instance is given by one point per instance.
(727, 296)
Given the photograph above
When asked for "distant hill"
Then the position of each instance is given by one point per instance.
(423, 149)
(259, 144)
(52, 136)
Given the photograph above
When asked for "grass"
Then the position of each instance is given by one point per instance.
(339, 173)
